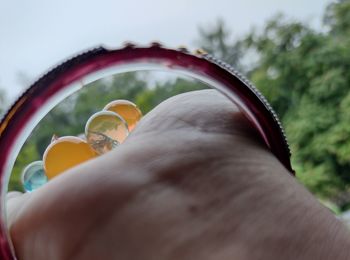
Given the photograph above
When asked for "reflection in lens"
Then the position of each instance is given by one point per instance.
(105, 130)
(124, 93)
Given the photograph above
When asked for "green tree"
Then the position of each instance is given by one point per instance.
(304, 75)
(150, 98)
(217, 40)
(337, 18)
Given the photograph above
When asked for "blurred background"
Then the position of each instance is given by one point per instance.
(296, 52)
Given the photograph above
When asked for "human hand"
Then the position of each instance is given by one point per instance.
(192, 181)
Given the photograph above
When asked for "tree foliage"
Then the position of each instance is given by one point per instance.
(217, 41)
(304, 74)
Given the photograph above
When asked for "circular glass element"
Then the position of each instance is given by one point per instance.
(105, 130)
(65, 153)
(73, 76)
(33, 176)
(127, 110)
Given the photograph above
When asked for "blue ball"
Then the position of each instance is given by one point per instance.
(33, 176)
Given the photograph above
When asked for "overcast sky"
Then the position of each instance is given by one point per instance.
(37, 34)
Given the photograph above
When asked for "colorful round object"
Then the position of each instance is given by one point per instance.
(105, 130)
(33, 176)
(65, 153)
(127, 110)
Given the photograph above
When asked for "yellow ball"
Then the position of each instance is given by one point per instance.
(65, 153)
(127, 110)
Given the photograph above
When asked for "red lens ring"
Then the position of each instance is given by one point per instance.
(254, 106)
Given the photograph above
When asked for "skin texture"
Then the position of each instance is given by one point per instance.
(192, 181)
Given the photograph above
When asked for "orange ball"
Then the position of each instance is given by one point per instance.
(65, 153)
(127, 110)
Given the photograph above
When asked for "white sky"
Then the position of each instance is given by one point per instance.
(37, 34)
